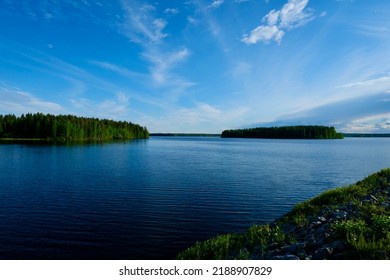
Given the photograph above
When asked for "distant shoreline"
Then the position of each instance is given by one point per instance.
(349, 135)
(366, 135)
(186, 134)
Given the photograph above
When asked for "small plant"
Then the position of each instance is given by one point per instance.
(218, 248)
(277, 235)
(258, 235)
(369, 240)
(369, 210)
(351, 229)
(300, 220)
(370, 248)
(381, 226)
(243, 254)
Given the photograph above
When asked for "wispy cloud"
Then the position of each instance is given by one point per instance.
(216, 3)
(122, 71)
(171, 11)
(373, 30)
(76, 87)
(277, 22)
(144, 27)
(117, 107)
(162, 63)
(365, 87)
(358, 114)
(240, 70)
(17, 101)
(379, 123)
(196, 118)
(141, 25)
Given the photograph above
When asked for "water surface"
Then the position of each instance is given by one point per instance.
(150, 199)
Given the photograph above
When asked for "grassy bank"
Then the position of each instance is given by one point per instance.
(351, 222)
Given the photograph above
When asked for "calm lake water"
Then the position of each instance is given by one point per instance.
(150, 199)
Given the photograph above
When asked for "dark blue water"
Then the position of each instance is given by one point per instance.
(150, 199)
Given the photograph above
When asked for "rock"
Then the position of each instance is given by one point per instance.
(268, 255)
(315, 224)
(323, 253)
(340, 215)
(285, 257)
(385, 204)
(258, 253)
(290, 249)
(322, 219)
(337, 245)
(273, 246)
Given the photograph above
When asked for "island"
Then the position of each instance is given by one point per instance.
(285, 132)
(50, 127)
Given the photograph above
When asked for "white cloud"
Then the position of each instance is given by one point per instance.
(117, 69)
(264, 33)
(146, 29)
(141, 26)
(277, 22)
(14, 100)
(196, 119)
(272, 17)
(373, 124)
(292, 14)
(114, 108)
(323, 14)
(192, 20)
(162, 63)
(241, 69)
(171, 11)
(216, 3)
(366, 87)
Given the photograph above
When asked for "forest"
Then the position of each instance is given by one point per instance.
(67, 128)
(285, 132)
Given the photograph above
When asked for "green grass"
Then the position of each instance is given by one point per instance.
(234, 246)
(367, 238)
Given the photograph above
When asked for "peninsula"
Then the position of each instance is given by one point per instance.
(351, 222)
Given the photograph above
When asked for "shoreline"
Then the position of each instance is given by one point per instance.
(350, 222)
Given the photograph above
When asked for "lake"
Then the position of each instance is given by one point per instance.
(150, 199)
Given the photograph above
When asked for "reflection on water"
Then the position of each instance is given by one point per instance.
(149, 199)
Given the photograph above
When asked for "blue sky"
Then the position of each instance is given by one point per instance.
(197, 65)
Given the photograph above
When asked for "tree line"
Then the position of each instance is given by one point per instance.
(68, 128)
(285, 132)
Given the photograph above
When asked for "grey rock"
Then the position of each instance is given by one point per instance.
(323, 253)
(322, 219)
(273, 246)
(340, 215)
(285, 257)
(290, 249)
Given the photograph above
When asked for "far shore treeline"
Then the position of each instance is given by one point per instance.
(285, 132)
(67, 128)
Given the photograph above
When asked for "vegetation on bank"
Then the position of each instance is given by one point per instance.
(67, 128)
(356, 218)
(285, 132)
